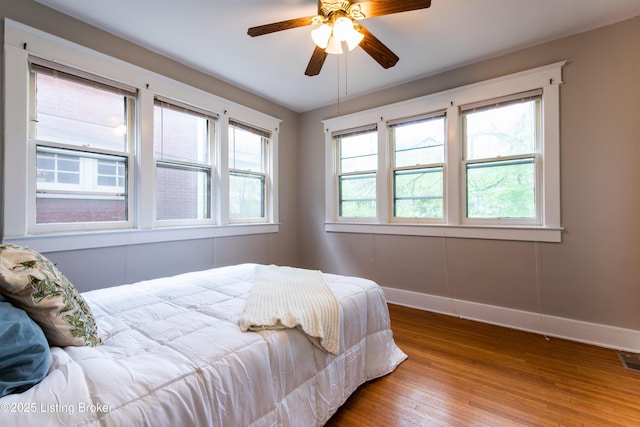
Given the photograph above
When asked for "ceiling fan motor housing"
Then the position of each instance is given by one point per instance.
(348, 8)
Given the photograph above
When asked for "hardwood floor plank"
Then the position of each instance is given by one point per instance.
(465, 373)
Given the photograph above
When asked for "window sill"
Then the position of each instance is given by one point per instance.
(103, 239)
(531, 234)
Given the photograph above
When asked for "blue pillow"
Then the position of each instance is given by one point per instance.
(24, 351)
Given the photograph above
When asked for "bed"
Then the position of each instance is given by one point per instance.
(170, 352)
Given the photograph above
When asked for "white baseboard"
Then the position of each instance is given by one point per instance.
(551, 326)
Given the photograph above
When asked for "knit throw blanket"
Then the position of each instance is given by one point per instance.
(287, 297)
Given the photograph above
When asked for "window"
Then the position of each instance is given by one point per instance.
(418, 167)
(358, 163)
(80, 130)
(501, 145)
(247, 173)
(182, 141)
(480, 161)
(110, 146)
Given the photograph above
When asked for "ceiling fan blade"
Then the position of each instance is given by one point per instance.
(279, 26)
(372, 8)
(377, 50)
(316, 62)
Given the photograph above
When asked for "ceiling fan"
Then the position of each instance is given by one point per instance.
(336, 20)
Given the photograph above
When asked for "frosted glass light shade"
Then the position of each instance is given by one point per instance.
(334, 46)
(354, 38)
(342, 28)
(321, 35)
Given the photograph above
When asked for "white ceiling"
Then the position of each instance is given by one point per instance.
(211, 36)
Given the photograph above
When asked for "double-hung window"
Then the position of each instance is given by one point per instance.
(479, 161)
(248, 166)
(501, 150)
(418, 167)
(357, 158)
(183, 139)
(81, 132)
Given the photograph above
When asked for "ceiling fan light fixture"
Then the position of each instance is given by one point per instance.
(331, 36)
(342, 27)
(321, 35)
(354, 38)
(344, 31)
(334, 46)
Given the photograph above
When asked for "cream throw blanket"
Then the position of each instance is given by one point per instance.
(287, 297)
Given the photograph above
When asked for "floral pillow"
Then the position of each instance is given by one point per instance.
(33, 283)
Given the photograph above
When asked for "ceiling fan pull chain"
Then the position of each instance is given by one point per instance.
(338, 82)
(346, 74)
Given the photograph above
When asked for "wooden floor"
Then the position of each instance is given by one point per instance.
(464, 373)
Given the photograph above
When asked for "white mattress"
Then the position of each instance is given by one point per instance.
(175, 356)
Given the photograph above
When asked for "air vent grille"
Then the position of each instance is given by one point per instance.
(630, 361)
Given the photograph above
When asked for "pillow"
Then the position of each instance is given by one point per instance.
(33, 283)
(24, 352)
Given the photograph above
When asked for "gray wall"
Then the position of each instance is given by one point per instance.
(594, 274)
(95, 268)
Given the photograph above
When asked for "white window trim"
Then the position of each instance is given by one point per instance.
(336, 159)
(209, 164)
(22, 41)
(547, 77)
(392, 169)
(266, 172)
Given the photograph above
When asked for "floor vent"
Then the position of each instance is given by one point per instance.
(630, 361)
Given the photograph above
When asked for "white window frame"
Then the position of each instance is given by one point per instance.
(209, 165)
(393, 168)
(86, 168)
(336, 147)
(22, 42)
(264, 173)
(536, 155)
(548, 78)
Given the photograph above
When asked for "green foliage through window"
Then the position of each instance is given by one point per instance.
(418, 178)
(501, 189)
(500, 159)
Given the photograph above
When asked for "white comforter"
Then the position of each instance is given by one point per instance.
(175, 356)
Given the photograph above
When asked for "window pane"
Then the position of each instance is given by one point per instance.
(358, 152)
(247, 189)
(502, 189)
(419, 143)
(509, 130)
(246, 150)
(46, 162)
(67, 171)
(57, 168)
(77, 114)
(74, 209)
(247, 196)
(418, 193)
(68, 164)
(358, 196)
(182, 193)
(111, 173)
(180, 135)
(69, 187)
